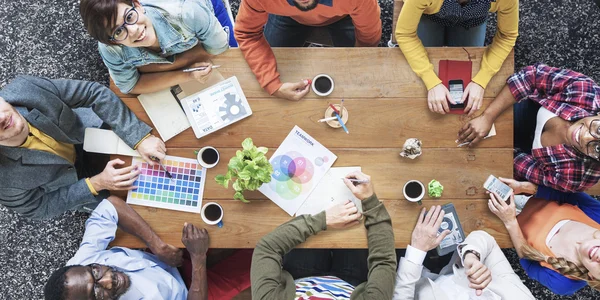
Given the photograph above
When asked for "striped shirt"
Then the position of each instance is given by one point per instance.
(322, 288)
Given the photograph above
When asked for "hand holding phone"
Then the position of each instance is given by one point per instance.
(494, 185)
(456, 89)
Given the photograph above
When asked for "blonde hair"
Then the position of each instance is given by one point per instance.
(563, 266)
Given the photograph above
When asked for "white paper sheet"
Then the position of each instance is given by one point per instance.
(330, 190)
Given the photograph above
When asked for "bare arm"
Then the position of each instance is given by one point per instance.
(508, 215)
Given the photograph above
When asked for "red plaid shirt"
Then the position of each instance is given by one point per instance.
(571, 96)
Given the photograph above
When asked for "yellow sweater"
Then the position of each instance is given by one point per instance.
(494, 56)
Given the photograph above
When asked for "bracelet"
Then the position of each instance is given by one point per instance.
(472, 252)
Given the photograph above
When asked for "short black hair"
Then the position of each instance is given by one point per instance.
(98, 16)
(55, 287)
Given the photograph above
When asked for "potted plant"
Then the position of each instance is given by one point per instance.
(250, 167)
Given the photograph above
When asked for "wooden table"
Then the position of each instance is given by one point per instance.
(387, 104)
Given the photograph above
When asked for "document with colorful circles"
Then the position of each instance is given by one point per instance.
(299, 164)
(182, 191)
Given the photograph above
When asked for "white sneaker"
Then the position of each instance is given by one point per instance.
(520, 201)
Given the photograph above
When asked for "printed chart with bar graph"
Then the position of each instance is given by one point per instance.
(183, 192)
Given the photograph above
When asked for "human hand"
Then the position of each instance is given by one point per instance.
(203, 75)
(425, 235)
(293, 91)
(478, 274)
(506, 212)
(195, 240)
(342, 215)
(475, 130)
(363, 190)
(437, 99)
(115, 179)
(475, 93)
(520, 187)
(169, 254)
(152, 147)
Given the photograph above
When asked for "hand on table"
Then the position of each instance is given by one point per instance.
(195, 240)
(152, 147)
(475, 130)
(342, 215)
(115, 179)
(362, 191)
(437, 99)
(520, 187)
(478, 274)
(169, 254)
(200, 76)
(293, 91)
(425, 235)
(474, 92)
(506, 212)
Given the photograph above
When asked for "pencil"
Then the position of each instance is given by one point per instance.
(200, 68)
(327, 119)
(342, 123)
(358, 181)
(342, 108)
(334, 109)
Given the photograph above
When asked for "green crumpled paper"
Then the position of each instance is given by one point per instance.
(435, 189)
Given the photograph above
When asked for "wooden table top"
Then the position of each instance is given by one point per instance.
(387, 104)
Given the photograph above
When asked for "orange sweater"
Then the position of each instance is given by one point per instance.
(253, 15)
(539, 216)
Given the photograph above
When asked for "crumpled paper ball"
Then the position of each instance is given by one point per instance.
(411, 148)
(435, 189)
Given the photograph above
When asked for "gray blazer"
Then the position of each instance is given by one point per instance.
(39, 184)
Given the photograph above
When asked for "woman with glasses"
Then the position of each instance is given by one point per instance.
(146, 46)
(556, 127)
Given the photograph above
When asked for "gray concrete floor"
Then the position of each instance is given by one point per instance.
(46, 38)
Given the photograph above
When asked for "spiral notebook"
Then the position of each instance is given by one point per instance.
(165, 113)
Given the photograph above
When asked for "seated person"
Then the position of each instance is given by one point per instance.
(120, 273)
(271, 281)
(456, 23)
(556, 127)
(145, 46)
(557, 240)
(477, 268)
(45, 172)
(262, 24)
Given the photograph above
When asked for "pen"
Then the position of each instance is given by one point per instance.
(342, 108)
(200, 68)
(357, 181)
(342, 123)
(154, 158)
(334, 109)
(467, 143)
(328, 119)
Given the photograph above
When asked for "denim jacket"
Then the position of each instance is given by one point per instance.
(179, 25)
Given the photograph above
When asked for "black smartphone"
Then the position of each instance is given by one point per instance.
(456, 89)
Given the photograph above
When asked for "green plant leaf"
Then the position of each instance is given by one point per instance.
(262, 150)
(245, 174)
(222, 180)
(236, 164)
(240, 196)
(236, 186)
(247, 144)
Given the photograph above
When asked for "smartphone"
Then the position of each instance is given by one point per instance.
(494, 185)
(456, 89)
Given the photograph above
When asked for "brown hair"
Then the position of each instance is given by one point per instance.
(563, 266)
(98, 17)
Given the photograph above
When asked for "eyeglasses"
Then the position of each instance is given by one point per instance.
(96, 271)
(130, 18)
(593, 147)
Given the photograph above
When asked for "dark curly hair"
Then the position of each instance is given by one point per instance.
(98, 17)
(55, 287)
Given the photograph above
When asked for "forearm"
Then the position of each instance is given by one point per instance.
(182, 60)
(199, 286)
(154, 82)
(131, 222)
(503, 101)
(516, 236)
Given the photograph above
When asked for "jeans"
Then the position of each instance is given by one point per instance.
(525, 121)
(349, 265)
(436, 35)
(286, 32)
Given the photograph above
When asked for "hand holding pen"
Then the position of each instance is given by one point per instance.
(360, 184)
(154, 158)
(199, 71)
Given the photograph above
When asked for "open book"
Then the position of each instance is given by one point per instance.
(106, 142)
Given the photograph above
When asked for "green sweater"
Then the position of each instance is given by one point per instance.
(271, 282)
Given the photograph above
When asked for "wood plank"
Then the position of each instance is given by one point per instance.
(245, 224)
(373, 123)
(357, 72)
(461, 171)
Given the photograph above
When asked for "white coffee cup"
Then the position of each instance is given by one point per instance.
(212, 221)
(204, 163)
(414, 199)
(319, 93)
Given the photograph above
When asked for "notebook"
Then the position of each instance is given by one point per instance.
(165, 113)
(216, 107)
(105, 141)
(330, 190)
(453, 70)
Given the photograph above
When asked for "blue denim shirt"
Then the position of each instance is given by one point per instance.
(179, 26)
(150, 277)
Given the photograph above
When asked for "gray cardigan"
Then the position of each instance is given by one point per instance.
(39, 184)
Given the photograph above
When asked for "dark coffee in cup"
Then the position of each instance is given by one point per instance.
(210, 156)
(413, 189)
(323, 84)
(212, 212)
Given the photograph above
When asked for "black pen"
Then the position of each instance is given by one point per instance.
(154, 158)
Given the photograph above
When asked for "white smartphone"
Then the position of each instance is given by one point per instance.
(494, 185)
(456, 92)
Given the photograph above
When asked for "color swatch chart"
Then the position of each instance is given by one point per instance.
(182, 192)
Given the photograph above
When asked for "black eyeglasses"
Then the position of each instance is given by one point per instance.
(593, 147)
(130, 18)
(97, 274)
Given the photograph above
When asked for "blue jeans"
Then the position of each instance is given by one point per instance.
(349, 265)
(286, 32)
(436, 35)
